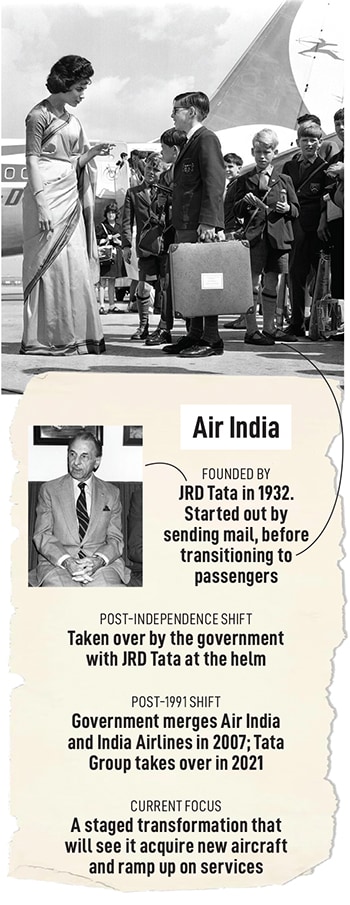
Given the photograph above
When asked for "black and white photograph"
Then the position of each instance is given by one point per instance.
(132, 435)
(84, 509)
(172, 254)
(54, 434)
(117, 270)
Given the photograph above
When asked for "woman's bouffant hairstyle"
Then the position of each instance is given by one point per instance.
(67, 72)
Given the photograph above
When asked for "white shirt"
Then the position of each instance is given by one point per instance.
(87, 489)
(194, 129)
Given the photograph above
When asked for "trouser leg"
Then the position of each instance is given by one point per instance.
(211, 334)
(304, 256)
(336, 229)
(268, 300)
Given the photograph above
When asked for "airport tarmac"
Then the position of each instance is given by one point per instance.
(301, 359)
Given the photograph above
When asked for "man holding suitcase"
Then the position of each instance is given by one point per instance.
(197, 207)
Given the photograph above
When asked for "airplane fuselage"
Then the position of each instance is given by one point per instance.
(13, 182)
(111, 184)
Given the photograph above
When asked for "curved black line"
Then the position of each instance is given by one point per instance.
(342, 445)
(170, 466)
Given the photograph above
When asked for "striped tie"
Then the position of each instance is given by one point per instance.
(82, 513)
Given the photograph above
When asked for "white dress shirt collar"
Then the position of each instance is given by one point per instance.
(194, 129)
(88, 491)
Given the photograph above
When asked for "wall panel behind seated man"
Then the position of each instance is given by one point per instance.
(119, 462)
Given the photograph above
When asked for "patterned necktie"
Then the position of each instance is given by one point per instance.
(82, 513)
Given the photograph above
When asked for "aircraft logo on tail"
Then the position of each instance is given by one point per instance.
(320, 46)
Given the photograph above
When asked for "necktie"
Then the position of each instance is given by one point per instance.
(264, 179)
(153, 192)
(82, 513)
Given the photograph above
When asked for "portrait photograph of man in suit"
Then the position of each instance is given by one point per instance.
(80, 530)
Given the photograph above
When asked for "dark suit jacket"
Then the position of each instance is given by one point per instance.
(135, 548)
(137, 208)
(310, 194)
(199, 182)
(334, 183)
(231, 220)
(279, 226)
(56, 528)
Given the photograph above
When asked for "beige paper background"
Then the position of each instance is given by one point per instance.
(51, 785)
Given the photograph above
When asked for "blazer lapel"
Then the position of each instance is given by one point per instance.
(144, 196)
(188, 146)
(274, 178)
(68, 506)
(252, 181)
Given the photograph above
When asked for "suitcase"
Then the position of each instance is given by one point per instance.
(210, 278)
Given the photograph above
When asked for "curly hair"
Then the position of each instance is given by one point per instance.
(67, 72)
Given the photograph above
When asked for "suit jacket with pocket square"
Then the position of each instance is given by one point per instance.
(56, 531)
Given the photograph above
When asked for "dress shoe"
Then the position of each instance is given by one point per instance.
(158, 338)
(239, 324)
(293, 332)
(186, 342)
(140, 335)
(203, 351)
(259, 339)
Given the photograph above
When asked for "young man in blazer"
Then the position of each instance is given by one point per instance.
(266, 201)
(310, 181)
(139, 202)
(78, 532)
(197, 206)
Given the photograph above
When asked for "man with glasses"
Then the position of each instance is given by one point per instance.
(197, 207)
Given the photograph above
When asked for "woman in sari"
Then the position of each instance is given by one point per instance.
(60, 262)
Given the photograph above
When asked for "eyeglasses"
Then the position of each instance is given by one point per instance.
(175, 109)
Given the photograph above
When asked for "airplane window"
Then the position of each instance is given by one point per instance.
(9, 173)
(24, 173)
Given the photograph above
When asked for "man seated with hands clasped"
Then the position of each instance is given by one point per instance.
(78, 529)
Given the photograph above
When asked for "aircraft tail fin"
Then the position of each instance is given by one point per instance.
(261, 85)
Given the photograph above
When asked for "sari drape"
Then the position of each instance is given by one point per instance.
(59, 269)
